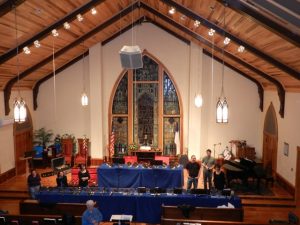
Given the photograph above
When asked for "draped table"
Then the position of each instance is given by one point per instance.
(123, 176)
(145, 208)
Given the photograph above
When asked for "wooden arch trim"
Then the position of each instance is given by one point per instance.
(100, 27)
(279, 86)
(271, 109)
(42, 34)
(249, 47)
(163, 68)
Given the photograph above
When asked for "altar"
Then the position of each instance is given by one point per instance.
(145, 155)
(124, 176)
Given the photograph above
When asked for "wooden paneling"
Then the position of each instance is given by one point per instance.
(270, 151)
(96, 161)
(23, 143)
(285, 184)
(7, 175)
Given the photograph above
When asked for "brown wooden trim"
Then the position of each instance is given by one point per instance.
(100, 27)
(119, 115)
(234, 38)
(285, 184)
(297, 179)
(7, 175)
(9, 5)
(96, 161)
(146, 82)
(56, 25)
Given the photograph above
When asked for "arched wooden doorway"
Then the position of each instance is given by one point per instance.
(270, 140)
(23, 142)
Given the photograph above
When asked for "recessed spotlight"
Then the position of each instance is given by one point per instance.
(241, 48)
(67, 25)
(211, 32)
(226, 41)
(172, 10)
(79, 17)
(37, 44)
(197, 23)
(54, 33)
(94, 11)
(26, 50)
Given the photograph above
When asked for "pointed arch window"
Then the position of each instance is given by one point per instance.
(146, 109)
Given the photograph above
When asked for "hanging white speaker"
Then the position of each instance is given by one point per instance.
(131, 57)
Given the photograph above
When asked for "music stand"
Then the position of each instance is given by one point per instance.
(141, 190)
(121, 219)
(177, 191)
(118, 160)
(199, 191)
(156, 162)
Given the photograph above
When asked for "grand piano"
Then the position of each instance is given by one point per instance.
(243, 170)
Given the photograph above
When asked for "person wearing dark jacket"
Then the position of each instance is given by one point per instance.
(61, 179)
(193, 169)
(83, 176)
(219, 178)
(34, 183)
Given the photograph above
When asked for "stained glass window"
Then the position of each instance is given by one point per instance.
(120, 127)
(149, 72)
(171, 104)
(120, 103)
(171, 125)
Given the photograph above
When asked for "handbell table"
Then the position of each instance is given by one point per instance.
(123, 176)
(145, 208)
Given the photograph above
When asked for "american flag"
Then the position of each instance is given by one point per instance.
(112, 144)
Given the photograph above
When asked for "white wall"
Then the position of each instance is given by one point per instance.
(7, 149)
(244, 114)
(184, 63)
(288, 131)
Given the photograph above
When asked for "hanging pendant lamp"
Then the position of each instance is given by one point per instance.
(222, 104)
(20, 111)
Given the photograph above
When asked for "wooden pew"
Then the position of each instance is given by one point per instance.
(165, 221)
(202, 213)
(34, 207)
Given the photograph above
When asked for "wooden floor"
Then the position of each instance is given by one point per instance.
(257, 209)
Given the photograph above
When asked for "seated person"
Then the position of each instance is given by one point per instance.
(91, 216)
(219, 178)
(61, 179)
(83, 176)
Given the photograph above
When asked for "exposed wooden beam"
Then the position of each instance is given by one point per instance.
(269, 24)
(36, 88)
(260, 88)
(280, 88)
(100, 27)
(42, 34)
(189, 13)
(8, 5)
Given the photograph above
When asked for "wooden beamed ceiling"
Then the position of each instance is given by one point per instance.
(269, 59)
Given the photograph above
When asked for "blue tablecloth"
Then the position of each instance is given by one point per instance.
(145, 208)
(131, 177)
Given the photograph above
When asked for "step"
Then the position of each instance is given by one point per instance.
(267, 197)
(268, 203)
(15, 195)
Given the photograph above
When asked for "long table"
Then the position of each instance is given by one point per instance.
(132, 177)
(145, 208)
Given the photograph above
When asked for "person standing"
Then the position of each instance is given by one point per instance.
(193, 169)
(91, 216)
(34, 183)
(208, 164)
(61, 179)
(83, 176)
(219, 178)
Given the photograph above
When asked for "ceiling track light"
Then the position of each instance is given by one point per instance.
(226, 41)
(26, 50)
(67, 26)
(197, 23)
(172, 10)
(94, 11)
(37, 44)
(241, 49)
(79, 17)
(54, 33)
(211, 32)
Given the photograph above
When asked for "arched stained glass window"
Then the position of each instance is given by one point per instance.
(146, 110)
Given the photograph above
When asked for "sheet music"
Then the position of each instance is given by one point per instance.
(121, 217)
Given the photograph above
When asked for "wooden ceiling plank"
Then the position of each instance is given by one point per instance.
(280, 88)
(282, 31)
(234, 38)
(69, 17)
(100, 27)
(8, 5)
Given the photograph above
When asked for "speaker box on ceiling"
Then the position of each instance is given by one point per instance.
(131, 57)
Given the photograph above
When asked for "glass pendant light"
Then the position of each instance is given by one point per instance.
(222, 104)
(84, 99)
(20, 111)
(198, 100)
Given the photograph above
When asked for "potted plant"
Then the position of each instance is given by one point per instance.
(42, 137)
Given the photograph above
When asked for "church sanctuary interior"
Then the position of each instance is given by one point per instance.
(174, 112)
